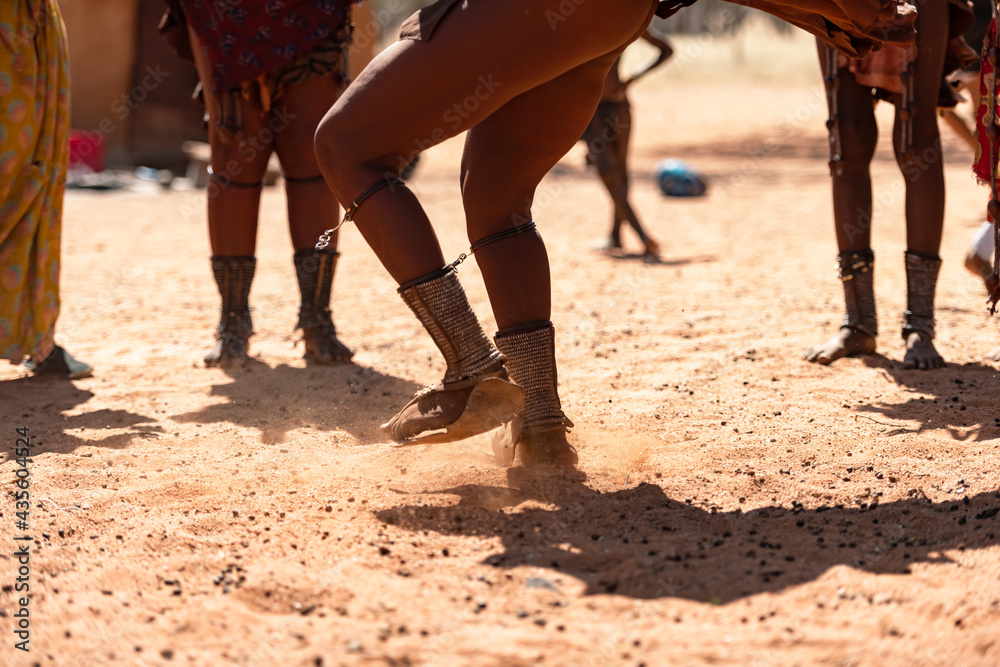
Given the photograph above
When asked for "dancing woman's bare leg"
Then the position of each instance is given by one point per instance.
(417, 94)
(505, 159)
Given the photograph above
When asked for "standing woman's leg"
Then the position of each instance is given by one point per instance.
(597, 155)
(239, 164)
(618, 150)
(607, 139)
(34, 153)
(416, 94)
(853, 135)
(918, 152)
(312, 209)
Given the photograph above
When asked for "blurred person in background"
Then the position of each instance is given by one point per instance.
(268, 71)
(981, 253)
(607, 138)
(34, 155)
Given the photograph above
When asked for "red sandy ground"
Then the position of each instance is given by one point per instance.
(733, 505)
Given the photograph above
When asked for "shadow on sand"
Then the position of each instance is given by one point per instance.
(276, 400)
(958, 398)
(38, 402)
(640, 543)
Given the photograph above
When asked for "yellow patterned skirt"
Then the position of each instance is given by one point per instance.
(34, 128)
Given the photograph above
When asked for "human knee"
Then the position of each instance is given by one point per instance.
(856, 155)
(918, 158)
(343, 160)
(297, 152)
(332, 154)
(243, 160)
(489, 203)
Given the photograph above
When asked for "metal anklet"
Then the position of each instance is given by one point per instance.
(227, 182)
(392, 181)
(493, 238)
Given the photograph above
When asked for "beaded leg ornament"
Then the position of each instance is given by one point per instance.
(921, 286)
(474, 395)
(832, 83)
(539, 429)
(314, 270)
(857, 272)
(233, 276)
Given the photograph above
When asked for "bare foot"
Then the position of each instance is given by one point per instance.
(847, 343)
(229, 350)
(547, 447)
(994, 354)
(921, 353)
(323, 346)
(977, 265)
(651, 255)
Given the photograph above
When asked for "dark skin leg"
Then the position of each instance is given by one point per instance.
(922, 167)
(610, 156)
(233, 211)
(852, 197)
(389, 114)
(922, 172)
(503, 163)
(288, 129)
(615, 88)
(312, 208)
(609, 150)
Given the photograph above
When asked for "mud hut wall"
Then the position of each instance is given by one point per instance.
(102, 48)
